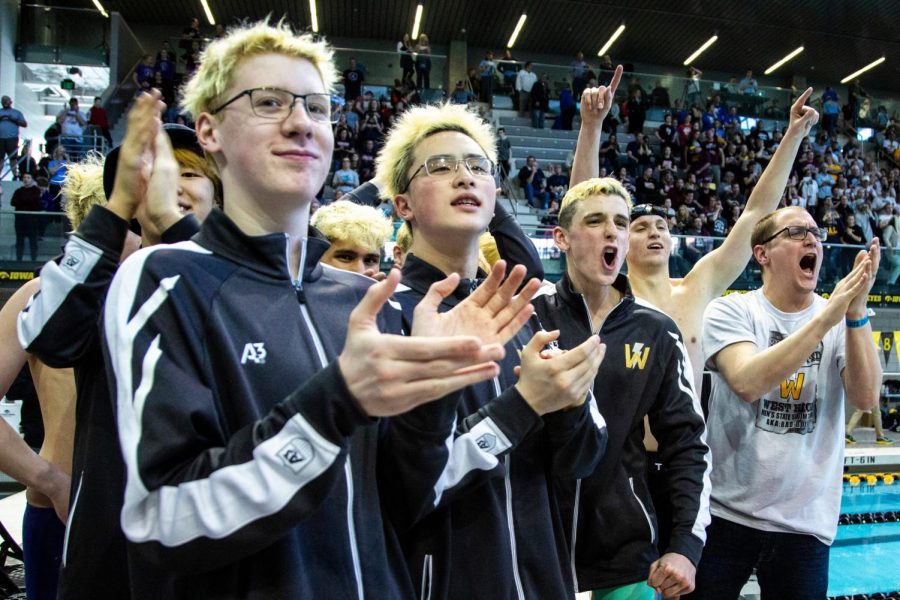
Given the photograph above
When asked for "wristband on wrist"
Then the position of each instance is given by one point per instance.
(857, 323)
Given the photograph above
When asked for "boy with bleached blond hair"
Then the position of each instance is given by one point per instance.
(611, 520)
(492, 529)
(357, 235)
(249, 391)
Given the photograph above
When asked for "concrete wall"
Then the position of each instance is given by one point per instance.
(9, 18)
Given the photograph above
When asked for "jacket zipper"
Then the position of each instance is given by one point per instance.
(348, 472)
(575, 533)
(71, 518)
(509, 517)
(426, 578)
(643, 508)
(588, 311)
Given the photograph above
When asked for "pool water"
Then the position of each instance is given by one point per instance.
(865, 558)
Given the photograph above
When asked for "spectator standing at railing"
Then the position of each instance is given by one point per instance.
(10, 122)
(855, 96)
(143, 74)
(607, 70)
(487, 70)
(98, 118)
(167, 47)
(732, 87)
(507, 67)
(165, 66)
(71, 123)
(191, 58)
(353, 81)
(748, 83)
(525, 80)
(567, 109)
(27, 199)
(692, 93)
(26, 162)
(660, 95)
(58, 167)
(540, 101)
(637, 111)
(192, 31)
(423, 63)
(405, 49)
(579, 69)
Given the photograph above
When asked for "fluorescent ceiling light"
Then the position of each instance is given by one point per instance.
(610, 41)
(515, 33)
(783, 60)
(856, 74)
(313, 16)
(101, 9)
(700, 50)
(416, 22)
(209, 15)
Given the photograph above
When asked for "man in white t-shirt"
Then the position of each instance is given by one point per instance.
(71, 124)
(782, 359)
(525, 80)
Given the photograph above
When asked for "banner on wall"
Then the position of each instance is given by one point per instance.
(16, 276)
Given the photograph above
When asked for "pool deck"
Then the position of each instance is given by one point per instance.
(866, 453)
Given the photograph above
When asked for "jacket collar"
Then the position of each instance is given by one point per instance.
(266, 254)
(418, 275)
(568, 294)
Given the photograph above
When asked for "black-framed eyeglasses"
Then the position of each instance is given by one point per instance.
(799, 232)
(444, 166)
(276, 104)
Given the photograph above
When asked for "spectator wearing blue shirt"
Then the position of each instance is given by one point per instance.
(461, 95)
(345, 179)
(567, 110)
(10, 121)
(748, 83)
(831, 108)
(486, 69)
(579, 72)
(143, 74)
(165, 66)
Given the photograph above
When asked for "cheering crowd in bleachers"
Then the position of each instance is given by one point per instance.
(697, 163)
